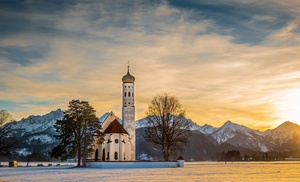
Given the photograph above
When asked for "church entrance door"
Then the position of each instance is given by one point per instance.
(103, 155)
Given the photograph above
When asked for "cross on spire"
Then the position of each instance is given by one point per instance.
(128, 67)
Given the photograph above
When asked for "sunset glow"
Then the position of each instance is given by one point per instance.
(289, 108)
(224, 60)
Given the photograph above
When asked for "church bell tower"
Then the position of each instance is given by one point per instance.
(128, 110)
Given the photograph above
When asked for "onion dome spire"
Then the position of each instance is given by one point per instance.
(128, 78)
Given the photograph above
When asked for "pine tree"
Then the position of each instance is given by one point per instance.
(78, 130)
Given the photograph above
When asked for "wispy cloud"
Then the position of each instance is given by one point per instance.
(230, 60)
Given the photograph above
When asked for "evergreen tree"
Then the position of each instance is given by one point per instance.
(246, 157)
(78, 130)
(254, 157)
(233, 155)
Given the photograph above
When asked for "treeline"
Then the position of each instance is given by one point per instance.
(230, 155)
(235, 155)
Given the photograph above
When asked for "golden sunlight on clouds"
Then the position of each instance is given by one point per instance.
(288, 106)
(171, 50)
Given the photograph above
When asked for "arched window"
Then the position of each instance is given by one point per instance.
(132, 94)
(96, 155)
(103, 154)
(116, 141)
(107, 156)
(125, 94)
(116, 155)
(128, 94)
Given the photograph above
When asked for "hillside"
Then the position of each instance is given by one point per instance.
(35, 135)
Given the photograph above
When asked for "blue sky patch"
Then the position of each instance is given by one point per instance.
(237, 20)
(23, 56)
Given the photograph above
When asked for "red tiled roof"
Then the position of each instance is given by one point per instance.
(115, 127)
(180, 158)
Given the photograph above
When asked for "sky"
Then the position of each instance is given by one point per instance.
(235, 60)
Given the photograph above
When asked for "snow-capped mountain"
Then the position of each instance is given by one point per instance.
(36, 134)
(284, 132)
(141, 123)
(285, 137)
(239, 136)
(36, 124)
(206, 129)
(230, 130)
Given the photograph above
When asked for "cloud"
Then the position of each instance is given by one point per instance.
(248, 22)
(285, 36)
(208, 56)
(23, 55)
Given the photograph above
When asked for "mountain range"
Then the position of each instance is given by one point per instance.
(35, 134)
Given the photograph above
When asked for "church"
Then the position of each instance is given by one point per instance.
(119, 139)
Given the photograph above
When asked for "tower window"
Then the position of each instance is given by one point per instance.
(116, 155)
(128, 86)
(132, 94)
(125, 86)
(116, 141)
(128, 94)
(125, 94)
(128, 102)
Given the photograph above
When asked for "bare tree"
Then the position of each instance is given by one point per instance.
(7, 142)
(5, 117)
(168, 129)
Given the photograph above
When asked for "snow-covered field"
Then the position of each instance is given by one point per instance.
(193, 171)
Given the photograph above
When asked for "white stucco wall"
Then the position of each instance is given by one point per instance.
(134, 164)
(120, 147)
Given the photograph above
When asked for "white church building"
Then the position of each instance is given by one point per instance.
(119, 140)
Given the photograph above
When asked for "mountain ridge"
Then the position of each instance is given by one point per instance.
(36, 131)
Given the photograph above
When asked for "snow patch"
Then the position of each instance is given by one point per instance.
(262, 147)
(145, 157)
(24, 152)
(43, 138)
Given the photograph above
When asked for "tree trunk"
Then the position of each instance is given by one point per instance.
(79, 158)
(78, 161)
(84, 156)
(85, 147)
(168, 153)
(164, 152)
(84, 162)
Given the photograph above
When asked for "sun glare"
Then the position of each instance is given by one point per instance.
(289, 107)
